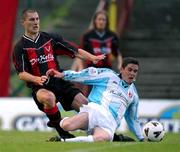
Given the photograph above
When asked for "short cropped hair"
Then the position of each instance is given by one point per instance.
(129, 60)
(25, 12)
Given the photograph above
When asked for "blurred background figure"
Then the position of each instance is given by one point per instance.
(100, 40)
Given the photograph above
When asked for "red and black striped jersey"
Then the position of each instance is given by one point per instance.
(101, 43)
(39, 55)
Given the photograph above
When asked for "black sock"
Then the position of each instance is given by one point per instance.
(55, 117)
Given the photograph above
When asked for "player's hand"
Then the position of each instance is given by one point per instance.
(96, 59)
(40, 80)
(50, 72)
(55, 73)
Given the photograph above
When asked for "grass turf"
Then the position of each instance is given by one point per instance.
(14, 141)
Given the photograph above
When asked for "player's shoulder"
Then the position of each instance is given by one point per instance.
(102, 72)
(51, 35)
(45, 34)
(107, 71)
(134, 87)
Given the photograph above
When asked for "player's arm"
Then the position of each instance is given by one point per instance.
(89, 76)
(87, 56)
(25, 76)
(72, 50)
(21, 67)
(132, 120)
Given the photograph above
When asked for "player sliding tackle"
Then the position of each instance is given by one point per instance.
(112, 97)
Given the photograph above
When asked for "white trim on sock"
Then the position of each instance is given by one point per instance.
(81, 139)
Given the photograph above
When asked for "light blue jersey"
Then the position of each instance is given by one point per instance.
(110, 91)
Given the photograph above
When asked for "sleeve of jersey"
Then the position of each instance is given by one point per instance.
(87, 76)
(65, 47)
(18, 59)
(132, 120)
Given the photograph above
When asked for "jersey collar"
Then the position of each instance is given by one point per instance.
(30, 39)
(123, 83)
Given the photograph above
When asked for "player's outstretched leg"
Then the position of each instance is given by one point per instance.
(55, 117)
(61, 132)
(45, 100)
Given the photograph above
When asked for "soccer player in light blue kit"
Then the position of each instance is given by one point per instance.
(112, 97)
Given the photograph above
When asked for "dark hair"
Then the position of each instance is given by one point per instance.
(129, 60)
(24, 13)
(104, 13)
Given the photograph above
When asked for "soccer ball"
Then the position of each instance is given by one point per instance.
(153, 131)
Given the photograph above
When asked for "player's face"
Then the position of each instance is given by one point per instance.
(100, 22)
(31, 23)
(129, 73)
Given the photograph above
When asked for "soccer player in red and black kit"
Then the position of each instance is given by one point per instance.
(33, 55)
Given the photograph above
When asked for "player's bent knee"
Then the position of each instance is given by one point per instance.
(66, 125)
(47, 98)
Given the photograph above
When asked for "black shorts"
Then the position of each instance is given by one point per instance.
(63, 90)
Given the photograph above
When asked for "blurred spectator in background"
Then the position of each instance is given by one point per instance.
(99, 40)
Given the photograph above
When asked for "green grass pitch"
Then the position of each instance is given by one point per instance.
(14, 141)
